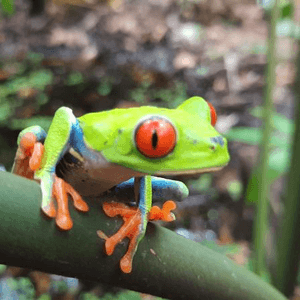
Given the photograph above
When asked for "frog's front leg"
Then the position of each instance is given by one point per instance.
(30, 151)
(35, 158)
(135, 220)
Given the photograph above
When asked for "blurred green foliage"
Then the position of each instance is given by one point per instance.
(25, 85)
(74, 78)
(171, 97)
(105, 86)
(202, 184)
(235, 189)
(23, 91)
(22, 286)
(228, 250)
(285, 24)
(8, 7)
(126, 295)
(281, 139)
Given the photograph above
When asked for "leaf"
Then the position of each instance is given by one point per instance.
(281, 140)
(235, 189)
(128, 295)
(248, 135)
(20, 124)
(280, 122)
(279, 160)
(285, 27)
(34, 57)
(253, 136)
(40, 79)
(287, 9)
(105, 86)
(8, 6)
(283, 124)
(16, 84)
(253, 186)
(74, 78)
(42, 98)
(268, 4)
(5, 111)
(202, 184)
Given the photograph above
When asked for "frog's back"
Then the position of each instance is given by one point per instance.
(120, 114)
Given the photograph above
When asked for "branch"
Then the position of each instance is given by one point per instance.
(166, 264)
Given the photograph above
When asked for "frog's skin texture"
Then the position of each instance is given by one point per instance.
(121, 149)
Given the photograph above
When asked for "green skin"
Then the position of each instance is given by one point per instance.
(108, 140)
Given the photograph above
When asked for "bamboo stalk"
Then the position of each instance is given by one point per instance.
(262, 214)
(288, 237)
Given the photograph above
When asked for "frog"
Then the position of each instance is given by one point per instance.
(120, 150)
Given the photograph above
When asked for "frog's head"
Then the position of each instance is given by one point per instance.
(163, 141)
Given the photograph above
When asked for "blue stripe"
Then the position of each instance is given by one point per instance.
(142, 203)
(76, 138)
(162, 189)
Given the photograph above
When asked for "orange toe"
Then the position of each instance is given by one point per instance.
(155, 213)
(130, 229)
(79, 203)
(36, 158)
(126, 265)
(64, 221)
(49, 210)
(113, 209)
(61, 189)
(23, 156)
(164, 213)
(27, 143)
(63, 218)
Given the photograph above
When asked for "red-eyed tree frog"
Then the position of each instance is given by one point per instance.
(121, 149)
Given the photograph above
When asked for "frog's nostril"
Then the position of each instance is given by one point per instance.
(218, 140)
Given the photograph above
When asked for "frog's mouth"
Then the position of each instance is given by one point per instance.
(196, 171)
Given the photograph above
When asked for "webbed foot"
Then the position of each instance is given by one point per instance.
(164, 213)
(132, 228)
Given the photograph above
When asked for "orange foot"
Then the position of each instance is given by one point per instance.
(29, 156)
(61, 189)
(28, 159)
(132, 228)
(132, 218)
(163, 213)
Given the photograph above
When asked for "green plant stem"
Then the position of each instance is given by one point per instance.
(288, 238)
(261, 221)
(166, 264)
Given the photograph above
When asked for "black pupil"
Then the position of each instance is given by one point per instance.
(154, 139)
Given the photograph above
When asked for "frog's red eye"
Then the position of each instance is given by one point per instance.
(213, 114)
(155, 137)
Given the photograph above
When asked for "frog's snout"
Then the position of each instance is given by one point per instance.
(217, 140)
